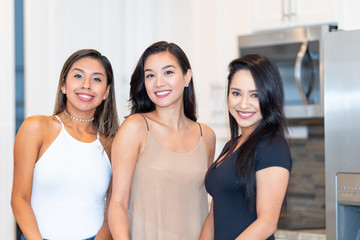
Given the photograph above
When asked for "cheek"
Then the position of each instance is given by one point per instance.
(147, 85)
(256, 103)
(231, 102)
(147, 89)
(233, 113)
(232, 107)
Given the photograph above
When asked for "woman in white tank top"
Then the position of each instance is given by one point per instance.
(160, 153)
(62, 169)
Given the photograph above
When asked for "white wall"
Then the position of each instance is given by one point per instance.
(217, 25)
(56, 29)
(7, 116)
(206, 30)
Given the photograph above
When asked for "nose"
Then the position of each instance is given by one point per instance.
(159, 81)
(244, 102)
(86, 83)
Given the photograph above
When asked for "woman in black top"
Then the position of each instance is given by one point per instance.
(248, 181)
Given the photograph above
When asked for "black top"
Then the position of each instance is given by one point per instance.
(231, 215)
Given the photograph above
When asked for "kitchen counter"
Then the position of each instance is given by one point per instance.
(307, 234)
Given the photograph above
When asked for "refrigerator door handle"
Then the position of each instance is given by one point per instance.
(298, 66)
(312, 76)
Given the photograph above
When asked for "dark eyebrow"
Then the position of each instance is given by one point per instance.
(236, 89)
(168, 66)
(80, 70)
(165, 67)
(98, 73)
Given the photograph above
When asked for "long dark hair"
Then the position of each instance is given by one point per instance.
(139, 99)
(271, 97)
(105, 119)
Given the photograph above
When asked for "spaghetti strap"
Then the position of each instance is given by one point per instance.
(147, 125)
(62, 124)
(200, 128)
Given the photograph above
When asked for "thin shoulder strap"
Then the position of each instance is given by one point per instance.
(200, 128)
(62, 125)
(147, 125)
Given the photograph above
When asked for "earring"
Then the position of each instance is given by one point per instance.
(64, 91)
(187, 85)
(104, 97)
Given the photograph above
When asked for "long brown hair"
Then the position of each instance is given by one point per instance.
(105, 119)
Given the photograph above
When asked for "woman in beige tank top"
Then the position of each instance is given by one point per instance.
(160, 154)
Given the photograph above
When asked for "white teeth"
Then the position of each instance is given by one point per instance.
(245, 114)
(85, 96)
(162, 93)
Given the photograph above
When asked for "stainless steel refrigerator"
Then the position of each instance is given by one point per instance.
(342, 134)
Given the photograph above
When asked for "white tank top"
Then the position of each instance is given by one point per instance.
(70, 182)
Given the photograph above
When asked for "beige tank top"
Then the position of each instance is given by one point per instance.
(168, 200)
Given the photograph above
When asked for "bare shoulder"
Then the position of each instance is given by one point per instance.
(38, 124)
(130, 139)
(36, 133)
(208, 133)
(209, 139)
(131, 131)
(134, 126)
(135, 122)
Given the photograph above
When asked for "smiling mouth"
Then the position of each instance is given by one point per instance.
(163, 93)
(245, 114)
(85, 97)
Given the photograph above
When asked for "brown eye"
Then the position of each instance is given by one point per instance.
(149, 76)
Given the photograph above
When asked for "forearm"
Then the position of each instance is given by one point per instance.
(104, 233)
(119, 221)
(25, 218)
(207, 231)
(260, 229)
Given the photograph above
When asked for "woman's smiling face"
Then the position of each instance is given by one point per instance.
(243, 101)
(164, 79)
(86, 84)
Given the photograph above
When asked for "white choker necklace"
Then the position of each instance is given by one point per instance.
(78, 119)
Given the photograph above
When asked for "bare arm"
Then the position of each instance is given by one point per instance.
(207, 231)
(125, 151)
(26, 150)
(271, 185)
(210, 141)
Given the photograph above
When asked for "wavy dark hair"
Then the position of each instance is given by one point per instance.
(139, 99)
(271, 97)
(105, 119)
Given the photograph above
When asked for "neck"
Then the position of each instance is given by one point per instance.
(77, 119)
(173, 118)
